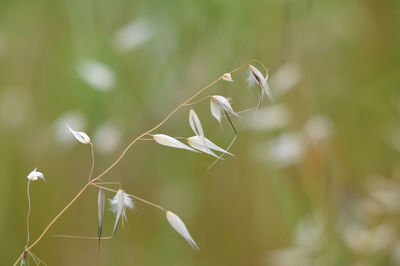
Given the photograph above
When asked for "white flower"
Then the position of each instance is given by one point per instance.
(119, 203)
(197, 143)
(255, 77)
(34, 175)
(171, 142)
(227, 77)
(180, 227)
(219, 103)
(82, 137)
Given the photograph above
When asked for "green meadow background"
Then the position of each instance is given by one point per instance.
(315, 176)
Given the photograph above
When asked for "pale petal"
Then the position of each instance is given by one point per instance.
(215, 109)
(260, 101)
(197, 143)
(117, 217)
(224, 103)
(23, 260)
(82, 137)
(227, 77)
(210, 144)
(34, 175)
(268, 91)
(171, 142)
(180, 227)
(128, 201)
(195, 124)
(119, 203)
(255, 76)
(100, 204)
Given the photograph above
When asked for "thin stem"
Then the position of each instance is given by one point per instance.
(122, 155)
(19, 258)
(33, 257)
(227, 149)
(261, 64)
(29, 211)
(148, 202)
(37, 258)
(192, 103)
(85, 237)
(243, 111)
(92, 168)
(260, 101)
(108, 183)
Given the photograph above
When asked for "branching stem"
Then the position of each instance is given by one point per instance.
(92, 181)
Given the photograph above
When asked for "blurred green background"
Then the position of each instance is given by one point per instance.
(315, 176)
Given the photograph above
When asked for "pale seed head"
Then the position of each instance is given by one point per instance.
(180, 227)
(227, 77)
(82, 137)
(34, 175)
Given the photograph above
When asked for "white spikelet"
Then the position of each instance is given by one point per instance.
(227, 77)
(101, 199)
(34, 175)
(82, 137)
(171, 142)
(218, 104)
(255, 77)
(200, 145)
(180, 227)
(215, 109)
(195, 142)
(119, 203)
(195, 124)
